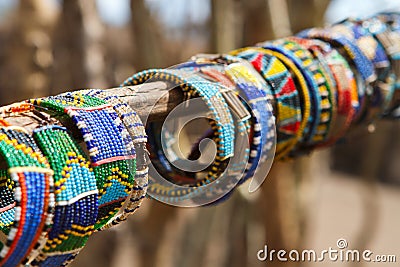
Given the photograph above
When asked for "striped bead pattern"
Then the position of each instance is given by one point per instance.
(76, 196)
(287, 99)
(134, 125)
(31, 177)
(194, 85)
(110, 147)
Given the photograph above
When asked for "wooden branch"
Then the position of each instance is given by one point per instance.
(152, 101)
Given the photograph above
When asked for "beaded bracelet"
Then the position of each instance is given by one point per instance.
(76, 196)
(136, 129)
(312, 86)
(375, 52)
(109, 145)
(341, 82)
(285, 93)
(25, 220)
(256, 93)
(386, 29)
(304, 94)
(314, 131)
(230, 174)
(19, 109)
(363, 65)
(324, 93)
(347, 100)
(194, 85)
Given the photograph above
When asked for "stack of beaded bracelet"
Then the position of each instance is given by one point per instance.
(351, 51)
(194, 85)
(236, 77)
(330, 82)
(321, 126)
(288, 108)
(305, 101)
(24, 221)
(76, 196)
(386, 29)
(312, 86)
(354, 31)
(363, 66)
(255, 92)
(136, 129)
(228, 177)
(341, 84)
(315, 82)
(346, 99)
(109, 145)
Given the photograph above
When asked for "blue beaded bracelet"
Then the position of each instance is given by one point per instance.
(134, 125)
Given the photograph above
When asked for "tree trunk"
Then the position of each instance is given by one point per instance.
(27, 52)
(226, 25)
(146, 37)
(78, 47)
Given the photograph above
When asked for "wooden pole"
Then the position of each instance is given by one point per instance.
(152, 101)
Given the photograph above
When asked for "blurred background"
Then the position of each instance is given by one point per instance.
(350, 191)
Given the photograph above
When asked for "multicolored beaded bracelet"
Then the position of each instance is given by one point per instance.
(358, 60)
(25, 109)
(321, 76)
(255, 92)
(347, 100)
(386, 29)
(193, 85)
(110, 147)
(136, 129)
(76, 196)
(375, 52)
(286, 95)
(349, 50)
(321, 51)
(229, 175)
(316, 84)
(302, 87)
(24, 221)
